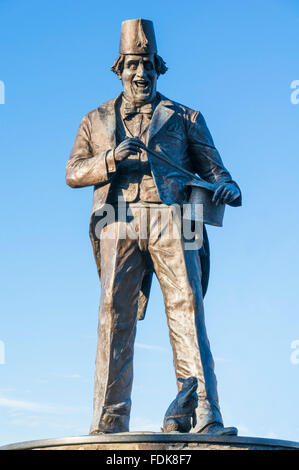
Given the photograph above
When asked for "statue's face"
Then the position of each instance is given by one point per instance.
(139, 78)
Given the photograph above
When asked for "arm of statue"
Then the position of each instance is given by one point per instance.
(86, 168)
(208, 163)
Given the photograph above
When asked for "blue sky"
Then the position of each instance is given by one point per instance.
(235, 61)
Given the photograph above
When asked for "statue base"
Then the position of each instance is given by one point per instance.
(155, 442)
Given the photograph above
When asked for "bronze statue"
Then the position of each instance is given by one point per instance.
(114, 152)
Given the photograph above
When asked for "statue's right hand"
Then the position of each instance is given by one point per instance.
(129, 146)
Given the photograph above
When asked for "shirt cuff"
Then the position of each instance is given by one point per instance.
(110, 161)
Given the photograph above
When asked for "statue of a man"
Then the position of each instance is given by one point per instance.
(109, 154)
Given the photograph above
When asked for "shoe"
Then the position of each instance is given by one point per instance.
(217, 429)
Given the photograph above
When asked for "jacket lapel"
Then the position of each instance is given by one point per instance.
(107, 116)
(162, 114)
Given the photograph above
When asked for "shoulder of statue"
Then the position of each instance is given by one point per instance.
(179, 108)
(111, 103)
(105, 108)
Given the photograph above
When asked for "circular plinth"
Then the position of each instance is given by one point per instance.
(155, 441)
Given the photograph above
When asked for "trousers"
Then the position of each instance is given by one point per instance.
(128, 248)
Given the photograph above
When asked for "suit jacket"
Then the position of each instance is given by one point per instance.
(181, 131)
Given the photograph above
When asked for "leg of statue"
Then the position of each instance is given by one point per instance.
(179, 274)
(122, 267)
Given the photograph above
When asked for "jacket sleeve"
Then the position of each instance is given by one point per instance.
(205, 157)
(84, 167)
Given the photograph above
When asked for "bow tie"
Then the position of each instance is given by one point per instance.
(132, 109)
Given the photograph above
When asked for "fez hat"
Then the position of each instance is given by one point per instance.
(137, 37)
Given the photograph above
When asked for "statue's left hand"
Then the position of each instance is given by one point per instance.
(225, 193)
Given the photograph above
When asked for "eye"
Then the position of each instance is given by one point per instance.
(132, 65)
(148, 66)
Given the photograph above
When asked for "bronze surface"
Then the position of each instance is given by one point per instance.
(114, 152)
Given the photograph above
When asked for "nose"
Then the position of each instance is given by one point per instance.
(140, 70)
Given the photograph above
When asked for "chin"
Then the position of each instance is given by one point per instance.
(143, 97)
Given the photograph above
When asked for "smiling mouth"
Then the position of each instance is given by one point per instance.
(142, 85)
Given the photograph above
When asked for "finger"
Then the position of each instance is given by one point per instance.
(121, 146)
(223, 192)
(219, 201)
(216, 193)
(228, 197)
(142, 145)
(134, 149)
(139, 145)
(135, 141)
(234, 194)
(130, 146)
(127, 141)
(223, 196)
(126, 154)
(138, 142)
(131, 151)
(132, 141)
(137, 138)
